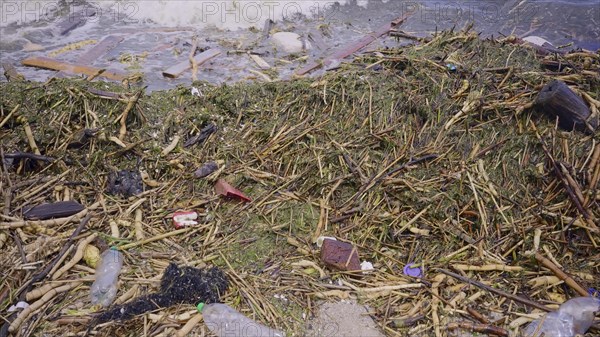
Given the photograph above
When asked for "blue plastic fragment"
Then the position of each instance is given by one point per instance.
(412, 271)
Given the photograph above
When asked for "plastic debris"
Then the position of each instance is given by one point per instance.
(104, 288)
(412, 270)
(223, 188)
(451, 67)
(340, 255)
(574, 317)
(196, 92)
(224, 321)
(201, 136)
(53, 210)
(320, 240)
(558, 101)
(19, 305)
(184, 219)
(538, 41)
(206, 169)
(366, 266)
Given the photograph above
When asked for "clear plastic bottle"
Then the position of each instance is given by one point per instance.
(104, 289)
(574, 317)
(224, 321)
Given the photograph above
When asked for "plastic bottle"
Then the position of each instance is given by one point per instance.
(574, 317)
(104, 289)
(224, 321)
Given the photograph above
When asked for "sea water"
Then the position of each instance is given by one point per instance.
(29, 27)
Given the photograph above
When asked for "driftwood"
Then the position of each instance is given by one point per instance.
(354, 47)
(22, 292)
(557, 100)
(493, 290)
(178, 69)
(267, 28)
(108, 43)
(52, 64)
(11, 72)
(100, 49)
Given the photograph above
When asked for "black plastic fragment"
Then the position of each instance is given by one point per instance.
(53, 210)
(202, 136)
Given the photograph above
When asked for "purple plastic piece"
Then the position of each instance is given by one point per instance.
(412, 271)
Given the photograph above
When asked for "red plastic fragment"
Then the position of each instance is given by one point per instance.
(222, 187)
(340, 255)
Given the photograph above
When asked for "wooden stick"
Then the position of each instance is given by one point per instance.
(568, 189)
(10, 114)
(30, 138)
(171, 146)
(78, 256)
(594, 172)
(477, 315)
(39, 292)
(354, 47)
(22, 293)
(52, 64)
(192, 60)
(435, 301)
(496, 291)
(130, 103)
(139, 232)
(561, 275)
(486, 329)
(11, 72)
(155, 238)
(187, 328)
(488, 267)
(39, 303)
(178, 69)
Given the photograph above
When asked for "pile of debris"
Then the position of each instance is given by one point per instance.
(433, 162)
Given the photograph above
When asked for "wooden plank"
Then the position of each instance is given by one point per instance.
(262, 64)
(178, 69)
(109, 43)
(354, 47)
(316, 39)
(95, 52)
(52, 64)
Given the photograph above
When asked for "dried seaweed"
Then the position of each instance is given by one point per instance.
(179, 285)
